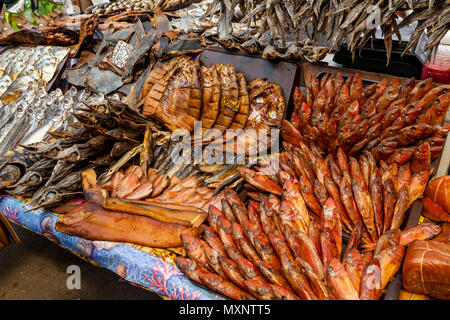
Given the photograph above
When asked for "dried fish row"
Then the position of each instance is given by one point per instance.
(135, 184)
(112, 219)
(340, 21)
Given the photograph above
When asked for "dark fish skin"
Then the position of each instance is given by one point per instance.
(43, 165)
(142, 48)
(59, 171)
(71, 182)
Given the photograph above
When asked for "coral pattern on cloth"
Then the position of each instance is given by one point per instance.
(155, 272)
(10, 213)
(158, 279)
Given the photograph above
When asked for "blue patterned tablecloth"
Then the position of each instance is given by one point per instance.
(149, 271)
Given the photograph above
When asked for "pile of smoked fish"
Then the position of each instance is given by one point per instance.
(388, 119)
(316, 196)
(426, 264)
(25, 69)
(103, 136)
(130, 152)
(371, 153)
(90, 136)
(377, 197)
(258, 252)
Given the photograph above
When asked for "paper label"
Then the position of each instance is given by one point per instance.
(120, 54)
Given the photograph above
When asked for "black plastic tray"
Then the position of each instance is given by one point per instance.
(375, 60)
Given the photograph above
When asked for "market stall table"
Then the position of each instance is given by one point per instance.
(149, 268)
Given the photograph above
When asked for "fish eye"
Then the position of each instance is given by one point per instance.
(52, 195)
(34, 178)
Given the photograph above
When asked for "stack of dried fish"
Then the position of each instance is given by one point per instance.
(264, 252)
(24, 69)
(172, 93)
(288, 244)
(109, 68)
(338, 21)
(168, 162)
(396, 133)
(127, 53)
(388, 119)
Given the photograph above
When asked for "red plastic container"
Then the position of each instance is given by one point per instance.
(439, 68)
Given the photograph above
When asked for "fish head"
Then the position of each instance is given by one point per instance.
(36, 101)
(67, 102)
(84, 94)
(353, 108)
(32, 178)
(4, 85)
(41, 93)
(57, 92)
(73, 91)
(421, 158)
